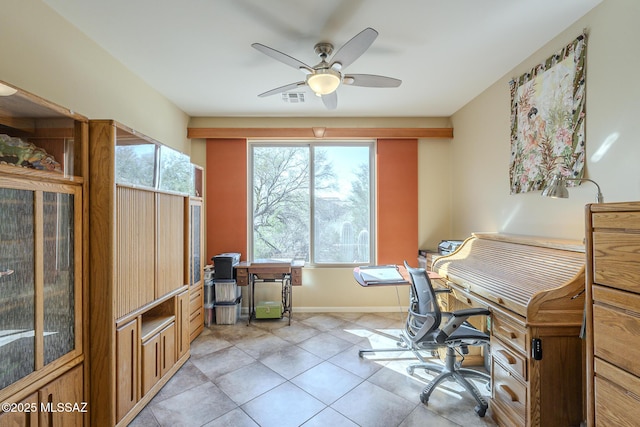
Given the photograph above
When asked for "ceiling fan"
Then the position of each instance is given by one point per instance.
(326, 76)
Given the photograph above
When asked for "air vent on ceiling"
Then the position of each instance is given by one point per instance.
(293, 97)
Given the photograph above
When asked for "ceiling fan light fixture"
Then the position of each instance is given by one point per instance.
(324, 81)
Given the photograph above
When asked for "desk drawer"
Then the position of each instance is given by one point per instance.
(510, 360)
(509, 332)
(617, 396)
(616, 260)
(615, 325)
(508, 392)
(242, 276)
(296, 276)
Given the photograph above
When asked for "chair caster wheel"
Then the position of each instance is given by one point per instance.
(424, 399)
(480, 410)
(410, 370)
(360, 353)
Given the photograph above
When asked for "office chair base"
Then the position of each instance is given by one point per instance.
(400, 346)
(451, 372)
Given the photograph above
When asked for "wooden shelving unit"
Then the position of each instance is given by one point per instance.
(43, 261)
(138, 263)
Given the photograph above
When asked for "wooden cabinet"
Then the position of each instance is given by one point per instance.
(59, 403)
(183, 320)
(613, 314)
(42, 253)
(24, 414)
(138, 261)
(158, 356)
(127, 368)
(509, 366)
(195, 261)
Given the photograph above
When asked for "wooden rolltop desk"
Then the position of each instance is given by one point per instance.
(534, 288)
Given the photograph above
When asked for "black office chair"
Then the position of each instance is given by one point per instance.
(428, 328)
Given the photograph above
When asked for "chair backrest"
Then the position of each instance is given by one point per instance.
(424, 298)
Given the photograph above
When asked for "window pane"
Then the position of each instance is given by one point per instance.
(281, 202)
(342, 204)
(175, 171)
(135, 164)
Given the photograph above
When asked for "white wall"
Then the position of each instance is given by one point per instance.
(43, 54)
(481, 147)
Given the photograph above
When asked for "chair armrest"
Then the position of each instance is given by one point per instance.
(456, 319)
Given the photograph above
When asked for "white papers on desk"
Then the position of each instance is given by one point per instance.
(380, 274)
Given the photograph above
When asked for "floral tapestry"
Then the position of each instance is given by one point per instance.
(548, 120)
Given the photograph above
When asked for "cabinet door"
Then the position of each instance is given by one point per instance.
(150, 363)
(196, 242)
(182, 319)
(61, 401)
(22, 418)
(167, 348)
(169, 243)
(17, 283)
(126, 368)
(40, 277)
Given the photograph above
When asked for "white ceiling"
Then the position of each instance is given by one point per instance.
(198, 52)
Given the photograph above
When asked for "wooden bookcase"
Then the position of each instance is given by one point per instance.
(43, 260)
(140, 321)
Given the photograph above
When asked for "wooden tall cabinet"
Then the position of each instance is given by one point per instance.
(140, 300)
(613, 314)
(195, 261)
(43, 258)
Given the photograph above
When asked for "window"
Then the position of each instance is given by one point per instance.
(312, 201)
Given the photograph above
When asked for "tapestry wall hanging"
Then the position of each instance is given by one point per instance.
(548, 120)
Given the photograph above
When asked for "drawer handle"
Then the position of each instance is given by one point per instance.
(508, 333)
(508, 357)
(506, 390)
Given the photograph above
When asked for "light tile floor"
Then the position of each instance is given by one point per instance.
(306, 374)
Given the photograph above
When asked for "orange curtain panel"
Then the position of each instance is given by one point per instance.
(397, 201)
(226, 197)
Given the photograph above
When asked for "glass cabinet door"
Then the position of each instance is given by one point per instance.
(39, 276)
(59, 280)
(17, 285)
(195, 263)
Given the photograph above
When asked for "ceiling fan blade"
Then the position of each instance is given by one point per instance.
(352, 49)
(281, 89)
(370, 80)
(282, 57)
(330, 100)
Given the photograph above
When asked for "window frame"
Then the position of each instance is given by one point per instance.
(311, 145)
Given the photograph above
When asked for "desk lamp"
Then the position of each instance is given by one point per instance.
(557, 188)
